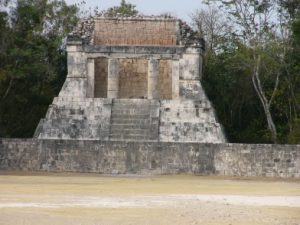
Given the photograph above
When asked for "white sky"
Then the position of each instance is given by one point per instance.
(180, 8)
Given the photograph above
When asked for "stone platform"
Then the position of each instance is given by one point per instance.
(131, 120)
(123, 157)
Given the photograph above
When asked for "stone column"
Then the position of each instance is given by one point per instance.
(76, 82)
(191, 64)
(76, 60)
(113, 78)
(175, 79)
(91, 78)
(190, 74)
(153, 73)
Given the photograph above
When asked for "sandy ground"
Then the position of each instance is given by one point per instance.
(89, 199)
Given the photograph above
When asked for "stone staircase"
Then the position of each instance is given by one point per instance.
(134, 120)
(130, 120)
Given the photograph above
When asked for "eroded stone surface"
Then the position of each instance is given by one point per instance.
(115, 157)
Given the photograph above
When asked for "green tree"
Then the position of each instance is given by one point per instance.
(227, 84)
(33, 64)
(125, 9)
(292, 70)
(213, 27)
(262, 49)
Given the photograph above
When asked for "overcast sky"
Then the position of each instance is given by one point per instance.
(180, 8)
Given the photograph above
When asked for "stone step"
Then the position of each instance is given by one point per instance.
(134, 102)
(128, 137)
(130, 112)
(130, 122)
(68, 117)
(130, 132)
(132, 117)
(129, 126)
(130, 104)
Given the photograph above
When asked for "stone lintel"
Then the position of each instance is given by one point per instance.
(134, 49)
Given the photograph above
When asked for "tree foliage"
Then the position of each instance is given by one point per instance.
(125, 9)
(252, 73)
(32, 61)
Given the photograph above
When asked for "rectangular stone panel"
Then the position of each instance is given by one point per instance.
(101, 68)
(135, 32)
(133, 78)
(165, 79)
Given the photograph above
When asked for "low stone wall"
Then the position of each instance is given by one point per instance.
(109, 157)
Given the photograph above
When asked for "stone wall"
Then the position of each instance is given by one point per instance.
(150, 157)
(133, 78)
(76, 118)
(189, 121)
(140, 32)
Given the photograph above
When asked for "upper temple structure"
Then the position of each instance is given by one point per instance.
(133, 79)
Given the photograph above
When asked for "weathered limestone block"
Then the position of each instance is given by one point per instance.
(100, 76)
(91, 78)
(133, 78)
(80, 119)
(175, 79)
(189, 121)
(190, 67)
(77, 64)
(131, 31)
(74, 87)
(153, 72)
(191, 89)
(76, 82)
(258, 160)
(165, 79)
(113, 78)
(191, 132)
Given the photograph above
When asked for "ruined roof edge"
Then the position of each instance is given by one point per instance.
(84, 30)
(145, 18)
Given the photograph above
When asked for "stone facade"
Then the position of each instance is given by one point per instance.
(137, 32)
(116, 157)
(130, 78)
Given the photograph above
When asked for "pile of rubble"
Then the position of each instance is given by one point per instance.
(188, 36)
(84, 31)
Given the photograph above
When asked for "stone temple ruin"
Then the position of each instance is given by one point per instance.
(132, 103)
(133, 79)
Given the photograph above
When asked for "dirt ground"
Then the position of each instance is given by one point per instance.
(90, 199)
